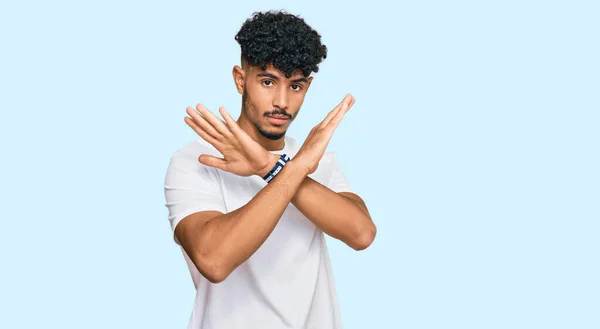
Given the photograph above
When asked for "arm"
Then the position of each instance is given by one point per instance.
(217, 243)
(345, 218)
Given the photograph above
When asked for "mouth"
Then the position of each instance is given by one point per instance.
(278, 120)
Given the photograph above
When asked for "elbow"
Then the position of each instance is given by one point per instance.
(215, 275)
(364, 239)
(214, 270)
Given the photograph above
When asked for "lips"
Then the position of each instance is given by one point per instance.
(277, 120)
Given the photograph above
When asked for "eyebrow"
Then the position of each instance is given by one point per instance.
(269, 75)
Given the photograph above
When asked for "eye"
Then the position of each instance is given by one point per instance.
(267, 83)
(298, 87)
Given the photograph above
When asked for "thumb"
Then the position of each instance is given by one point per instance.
(211, 161)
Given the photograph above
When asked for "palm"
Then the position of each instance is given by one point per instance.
(245, 158)
(315, 144)
(242, 155)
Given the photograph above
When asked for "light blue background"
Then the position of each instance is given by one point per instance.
(474, 141)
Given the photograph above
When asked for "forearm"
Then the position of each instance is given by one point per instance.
(228, 240)
(336, 215)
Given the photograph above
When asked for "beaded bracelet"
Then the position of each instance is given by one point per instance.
(278, 166)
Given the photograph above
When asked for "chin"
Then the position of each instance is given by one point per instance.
(273, 134)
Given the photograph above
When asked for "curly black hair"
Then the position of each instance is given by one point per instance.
(283, 40)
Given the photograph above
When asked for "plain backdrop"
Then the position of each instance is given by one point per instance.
(474, 141)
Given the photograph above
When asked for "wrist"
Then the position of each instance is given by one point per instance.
(304, 170)
(273, 158)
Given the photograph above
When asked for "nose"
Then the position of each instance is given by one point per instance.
(281, 99)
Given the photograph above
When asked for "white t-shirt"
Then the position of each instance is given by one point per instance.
(288, 281)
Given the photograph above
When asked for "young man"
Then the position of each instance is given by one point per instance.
(249, 206)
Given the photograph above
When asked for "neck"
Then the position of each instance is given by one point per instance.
(269, 144)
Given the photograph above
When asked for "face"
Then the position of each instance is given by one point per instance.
(270, 101)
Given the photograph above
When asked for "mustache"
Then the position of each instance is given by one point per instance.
(278, 113)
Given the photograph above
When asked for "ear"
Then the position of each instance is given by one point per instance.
(310, 79)
(239, 75)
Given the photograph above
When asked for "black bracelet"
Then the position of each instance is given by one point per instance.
(280, 163)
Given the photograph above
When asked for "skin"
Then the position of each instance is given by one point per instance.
(218, 243)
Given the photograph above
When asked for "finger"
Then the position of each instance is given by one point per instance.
(351, 102)
(333, 112)
(211, 161)
(217, 123)
(202, 133)
(231, 124)
(242, 139)
(330, 115)
(202, 123)
(335, 121)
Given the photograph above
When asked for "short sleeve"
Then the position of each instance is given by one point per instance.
(338, 181)
(190, 187)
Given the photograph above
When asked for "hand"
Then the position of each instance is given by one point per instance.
(314, 146)
(242, 155)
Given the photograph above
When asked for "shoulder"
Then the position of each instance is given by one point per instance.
(197, 146)
(330, 158)
(327, 168)
(192, 150)
(185, 159)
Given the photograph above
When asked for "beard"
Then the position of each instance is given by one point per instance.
(249, 108)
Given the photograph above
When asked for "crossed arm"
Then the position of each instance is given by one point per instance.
(217, 243)
(343, 215)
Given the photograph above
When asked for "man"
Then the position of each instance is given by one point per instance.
(249, 207)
